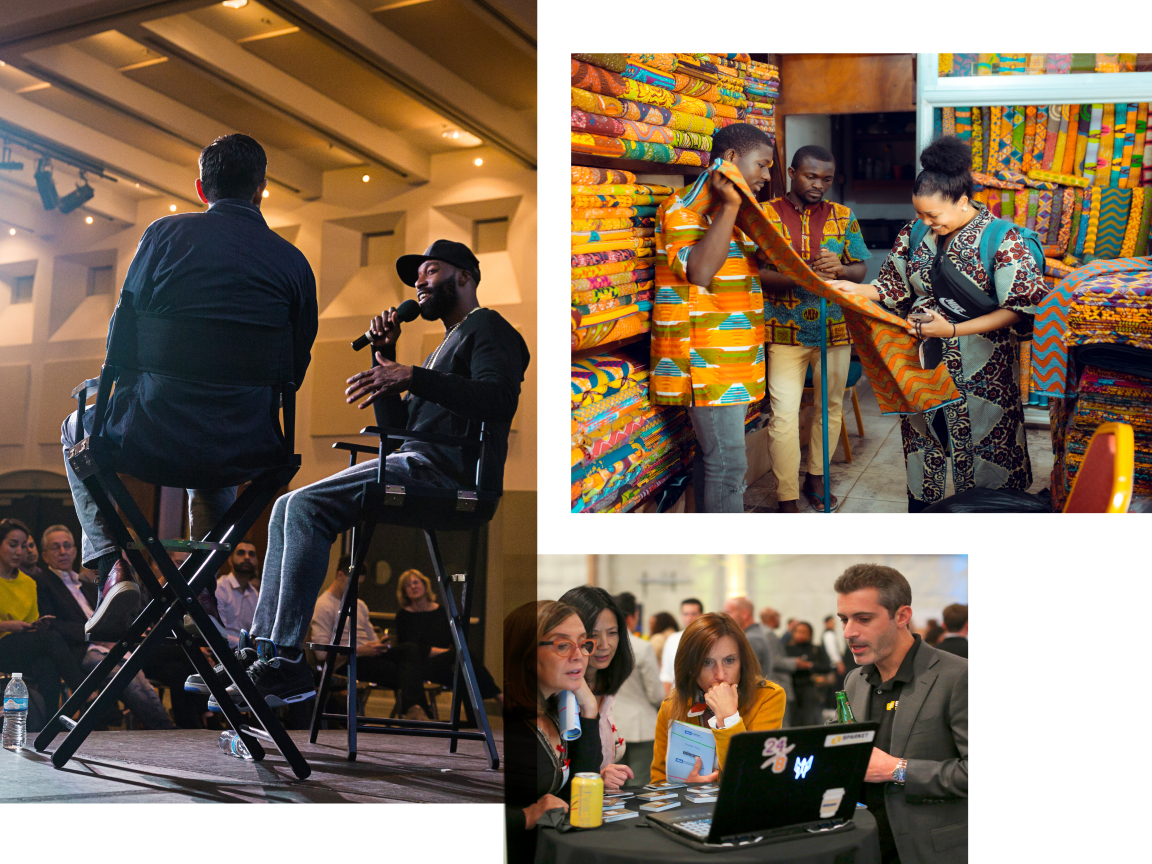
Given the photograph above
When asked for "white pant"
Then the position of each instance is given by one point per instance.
(787, 366)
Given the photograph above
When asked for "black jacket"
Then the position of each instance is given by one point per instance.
(227, 265)
(54, 598)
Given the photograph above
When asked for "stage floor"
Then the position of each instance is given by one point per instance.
(185, 766)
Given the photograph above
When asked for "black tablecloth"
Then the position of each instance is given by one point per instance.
(633, 842)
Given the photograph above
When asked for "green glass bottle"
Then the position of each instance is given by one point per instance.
(843, 709)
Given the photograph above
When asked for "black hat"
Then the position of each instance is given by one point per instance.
(456, 254)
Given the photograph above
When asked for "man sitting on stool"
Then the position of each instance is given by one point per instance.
(472, 377)
(397, 667)
(225, 264)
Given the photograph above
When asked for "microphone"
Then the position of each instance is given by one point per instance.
(407, 311)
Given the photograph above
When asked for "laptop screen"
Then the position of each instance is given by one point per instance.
(788, 777)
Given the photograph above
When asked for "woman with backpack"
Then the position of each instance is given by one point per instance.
(970, 284)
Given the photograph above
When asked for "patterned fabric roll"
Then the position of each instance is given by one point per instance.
(1113, 210)
(582, 175)
(981, 196)
(1031, 209)
(647, 75)
(1107, 62)
(937, 123)
(1092, 149)
(1053, 238)
(1083, 125)
(1083, 63)
(1137, 169)
(626, 109)
(1061, 137)
(948, 125)
(1078, 217)
(1041, 138)
(977, 140)
(963, 65)
(1020, 203)
(581, 239)
(598, 258)
(613, 212)
(1145, 223)
(663, 62)
(1043, 213)
(1092, 202)
(1060, 179)
(611, 62)
(1107, 141)
(600, 224)
(1146, 170)
(1029, 138)
(1067, 210)
(944, 65)
(1013, 64)
(1051, 134)
(1132, 229)
(1129, 146)
(1018, 128)
(1035, 67)
(999, 182)
(1128, 62)
(621, 189)
(605, 268)
(984, 64)
(1002, 137)
(996, 203)
(634, 130)
(986, 136)
(1057, 64)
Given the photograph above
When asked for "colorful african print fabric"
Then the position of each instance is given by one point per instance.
(986, 428)
(793, 317)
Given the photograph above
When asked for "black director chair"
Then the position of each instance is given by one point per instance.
(430, 509)
(227, 353)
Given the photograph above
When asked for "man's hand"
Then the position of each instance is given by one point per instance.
(548, 802)
(371, 649)
(385, 328)
(614, 775)
(724, 701)
(383, 380)
(880, 767)
(695, 776)
(828, 265)
(436, 652)
(14, 626)
(43, 621)
(801, 663)
(725, 189)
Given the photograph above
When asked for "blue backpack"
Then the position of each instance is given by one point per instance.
(990, 241)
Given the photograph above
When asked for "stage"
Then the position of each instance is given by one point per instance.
(186, 766)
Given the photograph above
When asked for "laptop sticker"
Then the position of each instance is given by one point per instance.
(775, 753)
(849, 738)
(802, 766)
(830, 803)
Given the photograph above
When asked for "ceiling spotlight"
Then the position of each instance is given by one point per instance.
(477, 161)
(172, 207)
(79, 195)
(365, 178)
(235, 4)
(12, 231)
(454, 134)
(265, 193)
(6, 163)
(48, 196)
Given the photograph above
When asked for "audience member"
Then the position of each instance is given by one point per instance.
(716, 669)
(30, 566)
(638, 697)
(783, 666)
(397, 666)
(546, 652)
(168, 664)
(933, 633)
(660, 627)
(690, 610)
(68, 599)
(831, 642)
(423, 623)
(236, 596)
(743, 613)
(28, 641)
(807, 704)
(955, 636)
(609, 666)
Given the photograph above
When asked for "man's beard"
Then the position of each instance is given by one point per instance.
(246, 568)
(441, 300)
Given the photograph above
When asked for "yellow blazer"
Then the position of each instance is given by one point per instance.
(765, 712)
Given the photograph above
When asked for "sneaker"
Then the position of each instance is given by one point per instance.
(207, 599)
(246, 655)
(279, 680)
(117, 605)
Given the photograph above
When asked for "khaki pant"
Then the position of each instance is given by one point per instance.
(787, 366)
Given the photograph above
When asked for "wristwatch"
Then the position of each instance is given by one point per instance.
(898, 771)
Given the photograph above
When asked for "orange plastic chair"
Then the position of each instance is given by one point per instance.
(1104, 482)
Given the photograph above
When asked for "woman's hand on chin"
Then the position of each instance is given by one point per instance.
(586, 700)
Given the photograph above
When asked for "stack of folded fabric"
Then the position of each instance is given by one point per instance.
(623, 448)
(760, 83)
(613, 248)
(965, 65)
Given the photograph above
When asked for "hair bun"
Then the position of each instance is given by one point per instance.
(948, 155)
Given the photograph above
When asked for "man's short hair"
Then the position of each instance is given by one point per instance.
(343, 563)
(892, 587)
(743, 604)
(699, 605)
(955, 617)
(814, 152)
(55, 529)
(741, 137)
(232, 166)
(626, 603)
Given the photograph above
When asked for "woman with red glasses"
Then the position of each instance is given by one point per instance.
(546, 651)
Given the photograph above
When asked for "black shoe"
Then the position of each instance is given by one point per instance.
(247, 656)
(279, 680)
(117, 605)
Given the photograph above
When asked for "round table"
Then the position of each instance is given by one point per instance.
(632, 841)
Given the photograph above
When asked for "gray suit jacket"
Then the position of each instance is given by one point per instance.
(929, 813)
(775, 664)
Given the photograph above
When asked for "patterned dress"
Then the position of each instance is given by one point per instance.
(985, 430)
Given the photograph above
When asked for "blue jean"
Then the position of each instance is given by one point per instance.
(205, 506)
(720, 437)
(304, 525)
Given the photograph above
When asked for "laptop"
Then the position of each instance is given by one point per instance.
(779, 783)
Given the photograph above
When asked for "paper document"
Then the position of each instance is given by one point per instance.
(685, 743)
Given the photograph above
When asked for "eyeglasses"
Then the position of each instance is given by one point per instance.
(564, 647)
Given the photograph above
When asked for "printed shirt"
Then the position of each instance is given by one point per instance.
(707, 342)
(792, 317)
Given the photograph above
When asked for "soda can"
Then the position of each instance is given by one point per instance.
(587, 809)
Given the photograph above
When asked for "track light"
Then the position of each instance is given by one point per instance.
(48, 196)
(6, 163)
(79, 195)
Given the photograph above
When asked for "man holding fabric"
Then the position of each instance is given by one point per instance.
(827, 236)
(708, 316)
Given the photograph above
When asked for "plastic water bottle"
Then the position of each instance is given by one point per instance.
(15, 713)
(230, 742)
